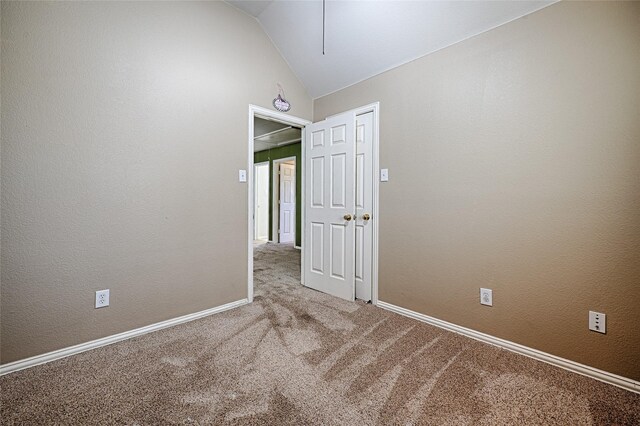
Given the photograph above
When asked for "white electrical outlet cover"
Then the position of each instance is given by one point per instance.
(242, 175)
(598, 322)
(102, 298)
(486, 296)
(384, 175)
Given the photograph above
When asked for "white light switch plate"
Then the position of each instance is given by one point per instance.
(384, 175)
(242, 175)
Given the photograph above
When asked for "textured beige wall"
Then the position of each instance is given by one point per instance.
(514, 163)
(123, 129)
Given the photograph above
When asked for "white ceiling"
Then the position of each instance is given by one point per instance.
(365, 38)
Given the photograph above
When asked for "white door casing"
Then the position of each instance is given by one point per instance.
(261, 213)
(364, 205)
(306, 144)
(287, 200)
(329, 246)
(253, 112)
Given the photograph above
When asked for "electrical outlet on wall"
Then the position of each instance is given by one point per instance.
(102, 298)
(486, 296)
(597, 322)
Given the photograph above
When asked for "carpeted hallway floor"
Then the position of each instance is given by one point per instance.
(299, 357)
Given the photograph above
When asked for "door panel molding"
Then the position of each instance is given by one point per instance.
(286, 178)
(364, 205)
(374, 108)
(275, 186)
(334, 141)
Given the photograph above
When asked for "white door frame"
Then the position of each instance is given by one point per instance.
(275, 214)
(255, 166)
(375, 109)
(257, 111)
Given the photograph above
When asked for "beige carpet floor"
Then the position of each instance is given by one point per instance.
(299, 357)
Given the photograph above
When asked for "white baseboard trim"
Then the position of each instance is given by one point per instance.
(297, 247)
(585, 370)
(93, 344)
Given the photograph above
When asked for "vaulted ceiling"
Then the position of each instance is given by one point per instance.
(365, 38)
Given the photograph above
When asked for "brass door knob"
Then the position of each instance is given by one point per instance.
(347, 217)
(366, 216)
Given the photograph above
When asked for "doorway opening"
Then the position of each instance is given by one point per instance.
(323, 188)
(261, 185)
(275, 194)
(286, 200)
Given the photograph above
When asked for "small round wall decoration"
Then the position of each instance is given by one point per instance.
(280, 103)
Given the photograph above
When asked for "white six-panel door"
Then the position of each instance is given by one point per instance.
(287, 223)
(330, 205)
(364, 205)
